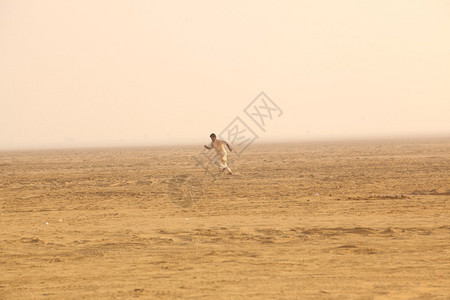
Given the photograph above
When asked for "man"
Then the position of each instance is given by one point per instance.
(221, 157)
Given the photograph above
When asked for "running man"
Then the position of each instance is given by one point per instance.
(221, 157)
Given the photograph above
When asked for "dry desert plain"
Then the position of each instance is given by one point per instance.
(323, 220)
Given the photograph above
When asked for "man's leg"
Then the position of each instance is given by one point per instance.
(224, 164)
(218, 161)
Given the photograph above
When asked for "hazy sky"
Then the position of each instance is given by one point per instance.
(93, 73)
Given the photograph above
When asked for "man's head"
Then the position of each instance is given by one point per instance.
(212, 136)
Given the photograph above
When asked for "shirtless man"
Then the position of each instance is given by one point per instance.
(221, 157)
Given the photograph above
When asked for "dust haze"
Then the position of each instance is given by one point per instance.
(108, 73)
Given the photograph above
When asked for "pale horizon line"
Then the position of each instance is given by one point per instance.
(262, 141)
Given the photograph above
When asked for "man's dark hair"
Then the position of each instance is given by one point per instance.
(212, 135)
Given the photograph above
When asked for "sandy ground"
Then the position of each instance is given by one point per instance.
(335, 220)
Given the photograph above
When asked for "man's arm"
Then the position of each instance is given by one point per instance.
(209, 148)
(229, 148)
